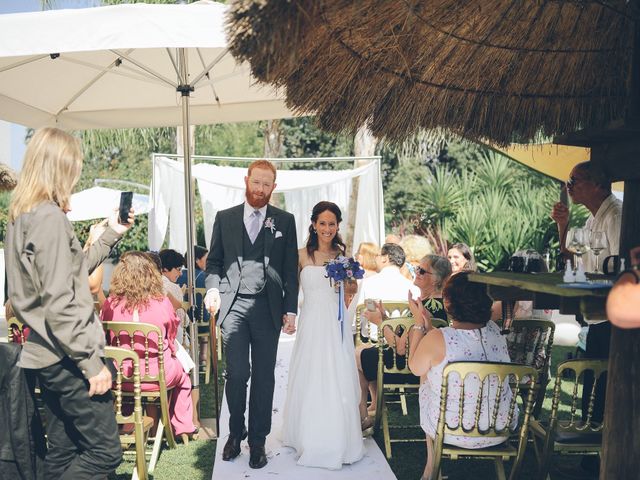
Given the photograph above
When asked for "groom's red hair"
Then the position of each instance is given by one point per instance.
(263, 164)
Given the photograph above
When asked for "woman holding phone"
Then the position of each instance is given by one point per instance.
(49, 290)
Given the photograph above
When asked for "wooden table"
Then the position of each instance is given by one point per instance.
(544, 290)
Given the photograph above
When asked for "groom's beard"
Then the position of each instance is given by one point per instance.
(257, 201)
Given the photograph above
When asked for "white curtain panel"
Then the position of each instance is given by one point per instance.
(223, 187)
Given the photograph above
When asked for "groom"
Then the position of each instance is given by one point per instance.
(253, 283)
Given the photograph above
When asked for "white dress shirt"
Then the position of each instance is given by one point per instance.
(248, 211)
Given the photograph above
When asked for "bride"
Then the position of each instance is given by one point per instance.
(321, 417)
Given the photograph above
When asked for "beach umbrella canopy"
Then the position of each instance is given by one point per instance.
(134, 65)
(500, 71)
(99, 202)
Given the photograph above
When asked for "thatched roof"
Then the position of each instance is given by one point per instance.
(499, 70)
(8, 179)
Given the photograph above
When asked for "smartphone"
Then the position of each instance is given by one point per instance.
(564, 197)
(370, 304)
(125, 205)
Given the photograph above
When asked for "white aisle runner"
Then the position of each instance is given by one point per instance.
(282, 461)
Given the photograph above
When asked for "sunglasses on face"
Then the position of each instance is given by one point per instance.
(422, 271)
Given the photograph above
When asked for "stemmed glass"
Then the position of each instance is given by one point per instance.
(598, 242)
(578, 243)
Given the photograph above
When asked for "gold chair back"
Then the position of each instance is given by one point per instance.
(529, 342)
(403, 383)
(141, 424)
(392, 309)
(571, 430)
(151, 337)
(506, 380)
(15, 331)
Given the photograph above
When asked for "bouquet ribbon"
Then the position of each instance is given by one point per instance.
(341, 308)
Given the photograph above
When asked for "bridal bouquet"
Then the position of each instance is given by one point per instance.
(342, 268)
(338, 271)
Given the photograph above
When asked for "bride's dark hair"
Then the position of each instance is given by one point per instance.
(312, 239)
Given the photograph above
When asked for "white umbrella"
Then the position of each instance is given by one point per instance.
(125, 66)
(99, 202)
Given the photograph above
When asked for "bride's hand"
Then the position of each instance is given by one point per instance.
(289, 324)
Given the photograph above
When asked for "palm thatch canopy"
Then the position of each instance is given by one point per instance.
(498, 70)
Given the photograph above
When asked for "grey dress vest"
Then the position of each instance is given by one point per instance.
(252, 277)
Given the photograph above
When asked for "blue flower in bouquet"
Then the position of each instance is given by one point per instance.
(343, 268)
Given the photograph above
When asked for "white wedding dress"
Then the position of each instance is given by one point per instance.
(321, 417)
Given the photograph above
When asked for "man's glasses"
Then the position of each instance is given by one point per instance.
(573, 180)
(422, 271)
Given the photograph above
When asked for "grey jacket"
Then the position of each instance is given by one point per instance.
(48, 273)
(280, 259)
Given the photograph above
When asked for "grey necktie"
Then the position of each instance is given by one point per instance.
(254, 225)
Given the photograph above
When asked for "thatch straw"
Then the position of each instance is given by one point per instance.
(8, 180)
(501, 70)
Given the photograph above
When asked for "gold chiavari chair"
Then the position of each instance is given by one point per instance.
(152, 335)
(505, 380)
(15, 331)
(392, 309)
(134, 428)
(570, 430)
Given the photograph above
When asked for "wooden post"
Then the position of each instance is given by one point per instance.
(621, 439)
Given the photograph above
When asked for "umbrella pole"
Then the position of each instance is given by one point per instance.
(185, 91)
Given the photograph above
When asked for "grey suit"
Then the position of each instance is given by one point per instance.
(252, 323)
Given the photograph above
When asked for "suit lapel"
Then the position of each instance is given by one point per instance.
(268, 235)
(236, 227)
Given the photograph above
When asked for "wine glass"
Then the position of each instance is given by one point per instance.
(578, 243)
(597, 243)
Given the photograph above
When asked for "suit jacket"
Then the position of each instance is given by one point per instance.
(224, 262)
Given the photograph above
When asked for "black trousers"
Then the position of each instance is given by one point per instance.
(248, 331)
(82, 433)
(598, 340)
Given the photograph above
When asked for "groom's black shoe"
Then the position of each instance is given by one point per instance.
(232, 448)
(258, 457)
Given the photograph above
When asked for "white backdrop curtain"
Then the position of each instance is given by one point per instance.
(222, 187)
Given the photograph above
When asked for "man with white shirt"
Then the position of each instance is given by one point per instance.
(589, 186)
(253, 283)
(388, 285)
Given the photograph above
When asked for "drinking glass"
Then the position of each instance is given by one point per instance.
(578, 243)
(597, 243)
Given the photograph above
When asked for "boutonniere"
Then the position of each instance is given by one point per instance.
(270, 224)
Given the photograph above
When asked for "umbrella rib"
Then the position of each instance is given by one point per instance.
(104, 71)
(208, 68)
(173, 62)
(23, 62)
(146, 69)
(206, 73)
(123, 70)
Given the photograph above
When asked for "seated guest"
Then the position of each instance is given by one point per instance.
(136, 295)
(172, 263)
(431, 275)
(461, 258)
(200, 255)
(366, 256)
(415, 248)
(472, 336)
(389, 285)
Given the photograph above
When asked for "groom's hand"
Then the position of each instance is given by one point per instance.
(212, 301)
(289, 324)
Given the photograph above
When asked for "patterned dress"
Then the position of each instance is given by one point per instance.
(481, 344)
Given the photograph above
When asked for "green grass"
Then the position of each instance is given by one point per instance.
(195, 461)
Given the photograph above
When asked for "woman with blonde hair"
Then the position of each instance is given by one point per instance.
(136, 294)
(49, 290)
(366, 256)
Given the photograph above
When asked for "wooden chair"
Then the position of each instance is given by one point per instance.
(570, 430)
(502, 376)
(529, 342)
(15, 331)
(392, 309)
(151, 335)
(387, 387)
(135, 427)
